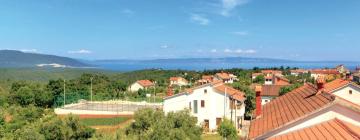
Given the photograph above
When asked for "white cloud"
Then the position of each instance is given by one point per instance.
(227, 51)
(199, 19)
(249, 51)
(165, 46)
(82, 51)
(229, 5)
(213, 50)
(128, 12)
(240, 51)
(241, 33)
(29, 50)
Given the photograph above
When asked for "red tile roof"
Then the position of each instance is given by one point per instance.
(234, 93)
(220, 87)
(333, 129)
(299, 71)
(207, 78)
(256, 74)
(271, 90)
(145, 83)
(281, 80)
(223, 75)
(271, 72)
(177, 79)
(336, 84)
(288, 108)
(324, 71)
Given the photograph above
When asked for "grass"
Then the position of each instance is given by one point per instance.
(211, 137)
(104, 121)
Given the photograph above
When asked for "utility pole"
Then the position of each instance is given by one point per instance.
(64, 93)
(225, 103)
(91, 90)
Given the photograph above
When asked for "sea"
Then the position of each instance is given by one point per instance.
(211, 66)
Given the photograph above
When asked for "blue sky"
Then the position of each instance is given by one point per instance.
(149, 29)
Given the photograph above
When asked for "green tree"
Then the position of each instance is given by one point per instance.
(154, 125)
(118, 88)
(28, 132)
(227, 130)
(250, 98)
(259, 79)
(24, 96)
(2, 119)
(53, 129)
(287, 89)
(76, 129)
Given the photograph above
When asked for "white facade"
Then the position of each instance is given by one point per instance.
(135, 87)
(350, 93)
(335, 111)
(268, 81)
(206, 104)
(266, 99)
(316, 76)
(179, 82)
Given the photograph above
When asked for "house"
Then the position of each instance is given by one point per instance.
(141, 84)
(329, 74)
(209, 103)
(276, 80)
(342, 69)
(205, 79)
(179, 81)
(343, 89)
(297, 72)
(357, 69)
(308, 112)
(356, 77)
(254, 75)
(271, 72)
(268, 92)
(225, 77)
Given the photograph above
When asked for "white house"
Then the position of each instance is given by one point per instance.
(225, 77)
(209, 103)
(343, 89)
(307, 113)
(178, 81)
(141, 84)
(268, 92)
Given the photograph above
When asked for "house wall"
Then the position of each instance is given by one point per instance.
(266, 99)
(179, 83)
(174, 104)
(335, 111)
(344, 93)
(135, 87)
(268, 82)
(214, 106)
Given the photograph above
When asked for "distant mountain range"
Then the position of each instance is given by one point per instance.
(12, 58)
(198, 60)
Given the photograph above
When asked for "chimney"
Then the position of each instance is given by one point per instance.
(320, 82)
(258, 90)
(169, 91)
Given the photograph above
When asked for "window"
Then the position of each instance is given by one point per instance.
(206, 125)
(205, 91)
(350, 91)
(190, 106)
(232, 104)
(195, 107)
(202, 103)
(218, 121)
